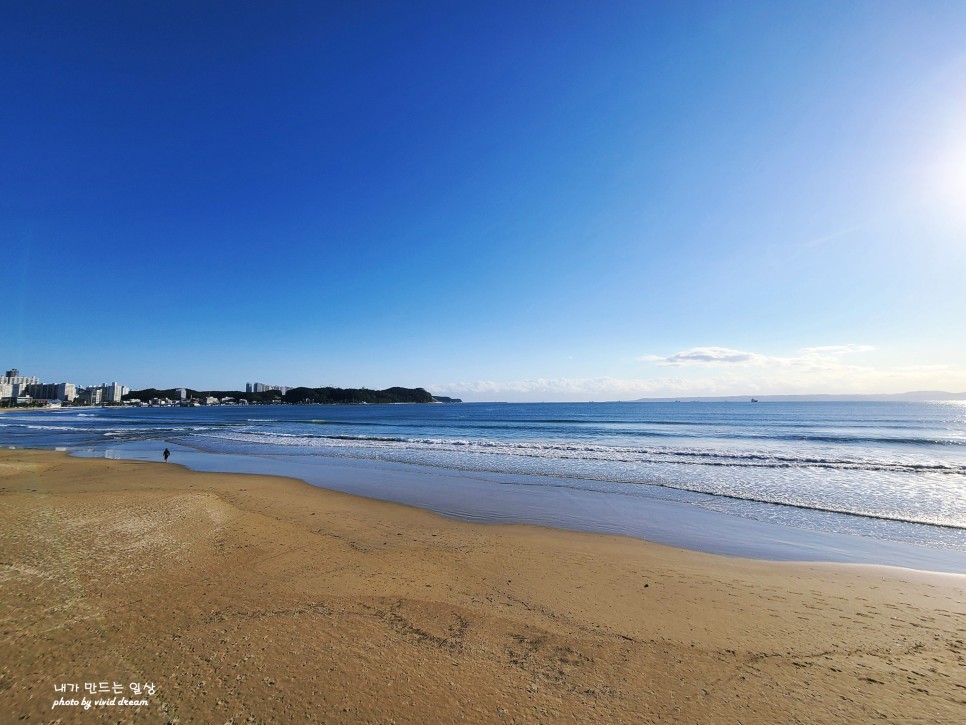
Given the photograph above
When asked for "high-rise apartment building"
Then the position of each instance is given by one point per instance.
(13, 384)
(263, 388)
(18, 379)
(106, 393)
(113, 393)
(66, 392)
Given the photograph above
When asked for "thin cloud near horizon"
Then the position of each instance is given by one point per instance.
(711, 355)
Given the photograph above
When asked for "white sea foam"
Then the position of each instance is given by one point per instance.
(807, 482)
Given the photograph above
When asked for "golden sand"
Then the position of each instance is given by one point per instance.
(257, 599)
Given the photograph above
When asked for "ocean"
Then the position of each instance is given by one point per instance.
(866, 482)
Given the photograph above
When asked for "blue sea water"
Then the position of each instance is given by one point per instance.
(882, 472)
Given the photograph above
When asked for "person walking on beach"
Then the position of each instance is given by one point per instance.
(166, 454)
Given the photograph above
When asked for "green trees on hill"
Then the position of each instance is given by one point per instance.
(327, 395)
(348, 396)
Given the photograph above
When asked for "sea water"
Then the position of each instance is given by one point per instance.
(881, 471)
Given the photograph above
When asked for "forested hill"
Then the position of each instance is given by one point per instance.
(357, 395)
(331, 396)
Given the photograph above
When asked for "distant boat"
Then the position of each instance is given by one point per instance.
(754, 400)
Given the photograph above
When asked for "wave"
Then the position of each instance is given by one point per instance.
(924, 521)
(608, 454)
(634, 432)
(55, 427)
(421, 451)
(825, 438)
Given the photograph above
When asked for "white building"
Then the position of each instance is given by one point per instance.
(14, 385)
(264, 388)
(112, 393)
(66, 391)
(106, 393)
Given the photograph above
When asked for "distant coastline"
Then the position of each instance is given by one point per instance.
(919, 396)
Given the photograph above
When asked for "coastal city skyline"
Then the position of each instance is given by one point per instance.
(517, 203)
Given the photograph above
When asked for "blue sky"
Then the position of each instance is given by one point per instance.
(512, 201)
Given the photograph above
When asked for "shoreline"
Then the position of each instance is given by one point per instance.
(662, 515)
(805, 515)
(252, 596)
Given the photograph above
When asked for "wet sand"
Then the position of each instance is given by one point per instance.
(259, 599)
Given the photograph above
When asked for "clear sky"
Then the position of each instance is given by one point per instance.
(496, 201)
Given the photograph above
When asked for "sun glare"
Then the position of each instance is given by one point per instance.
(945, 184)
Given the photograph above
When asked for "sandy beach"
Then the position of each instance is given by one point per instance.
(245, 598)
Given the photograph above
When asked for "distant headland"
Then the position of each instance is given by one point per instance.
(291, 396)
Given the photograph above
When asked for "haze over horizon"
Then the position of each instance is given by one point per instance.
(496, 202)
